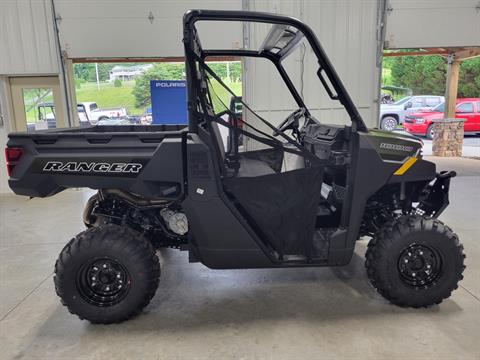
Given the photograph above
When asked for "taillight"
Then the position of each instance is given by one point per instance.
(12, 156)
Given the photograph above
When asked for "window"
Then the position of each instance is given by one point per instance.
(417, 102)
(478, 107)
(402, 101)
(440, 107)
(432, 101)
(465, 108)
(93, 106)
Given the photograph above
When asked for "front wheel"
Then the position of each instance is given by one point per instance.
(415, 261)
(388, 123)
(107, 274)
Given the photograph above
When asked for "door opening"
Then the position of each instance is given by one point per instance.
(36, 103)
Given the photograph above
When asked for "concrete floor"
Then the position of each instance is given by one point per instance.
(199, 313)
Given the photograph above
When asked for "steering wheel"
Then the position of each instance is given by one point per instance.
(289, 121)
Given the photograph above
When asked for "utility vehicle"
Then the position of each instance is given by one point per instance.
(301, 197)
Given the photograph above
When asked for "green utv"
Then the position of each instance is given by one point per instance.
(301, 197)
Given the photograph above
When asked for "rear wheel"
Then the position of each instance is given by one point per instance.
(415, 261)
(388, 123)
(107, 274)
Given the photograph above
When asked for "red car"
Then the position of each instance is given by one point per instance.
(420, 123)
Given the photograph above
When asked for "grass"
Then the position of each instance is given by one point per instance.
(110, 96)
(220, 92)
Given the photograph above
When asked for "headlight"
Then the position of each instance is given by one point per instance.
(419, 120)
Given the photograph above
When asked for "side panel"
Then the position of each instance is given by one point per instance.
(370, 157)
(121, 162)
(221, 239)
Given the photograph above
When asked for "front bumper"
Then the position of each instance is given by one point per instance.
(417, 129)
(434, 198)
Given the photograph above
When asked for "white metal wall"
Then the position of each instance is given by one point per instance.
(347, 29)
(126, 28)
(27, 38)
(428, 23)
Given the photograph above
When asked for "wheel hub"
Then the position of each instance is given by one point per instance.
(419, 266)
(390, 124)
(103, 282)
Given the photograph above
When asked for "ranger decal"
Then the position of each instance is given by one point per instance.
(398, 147)
(87, 167)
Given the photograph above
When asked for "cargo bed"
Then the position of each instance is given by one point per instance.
(127, 157)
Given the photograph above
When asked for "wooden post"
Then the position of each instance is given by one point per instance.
(452, 86)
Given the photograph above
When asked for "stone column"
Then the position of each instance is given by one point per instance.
(447, 137)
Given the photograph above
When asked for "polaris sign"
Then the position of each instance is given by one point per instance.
(169, 101)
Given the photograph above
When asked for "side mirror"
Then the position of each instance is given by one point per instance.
(408, 105)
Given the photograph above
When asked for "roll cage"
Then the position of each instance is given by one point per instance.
(284, 37)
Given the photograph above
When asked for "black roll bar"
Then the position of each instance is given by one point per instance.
(192, 16)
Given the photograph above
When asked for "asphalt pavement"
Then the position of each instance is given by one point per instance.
(471, 145)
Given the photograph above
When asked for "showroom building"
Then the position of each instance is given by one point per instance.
(41, 40)
(198, 313)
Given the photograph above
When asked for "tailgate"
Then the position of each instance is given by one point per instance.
(146, 163)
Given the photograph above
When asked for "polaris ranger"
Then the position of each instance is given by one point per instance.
(301, 197)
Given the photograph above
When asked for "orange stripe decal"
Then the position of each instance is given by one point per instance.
(405, 166)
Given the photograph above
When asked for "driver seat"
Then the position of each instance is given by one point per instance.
(248, 167)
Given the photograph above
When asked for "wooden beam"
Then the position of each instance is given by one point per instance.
(415, 53)
(452, 87)
(467, 54)
(460, 53)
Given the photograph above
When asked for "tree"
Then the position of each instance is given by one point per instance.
(117, 82)
(160, 71)
(422, 74)
(86, 71)
(427, 75)
(82, 71)
(169, 71)
(236, 71)
(469, 79)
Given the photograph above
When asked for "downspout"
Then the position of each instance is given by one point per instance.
(383, 7)
(246, 45)
(63, 78)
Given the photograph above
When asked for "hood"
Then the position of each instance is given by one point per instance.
(391, 107)
(427, 114)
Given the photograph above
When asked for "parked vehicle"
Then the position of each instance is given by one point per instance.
(147, 117)
(175, 186)
(46, 113)
(420, 123)
(88, 114)
(116, 121)
(93, 113)
(394, 114)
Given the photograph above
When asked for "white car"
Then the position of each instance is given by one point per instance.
(93, 114)
(393, 114)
